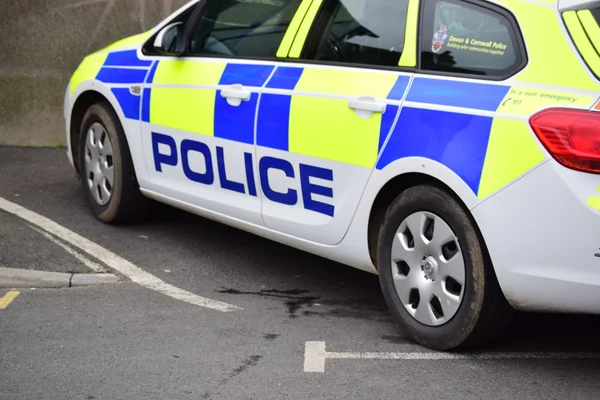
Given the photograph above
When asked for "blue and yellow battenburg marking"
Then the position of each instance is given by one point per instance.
(324, 127)
(281, 120)
(125, 67)
(486, 152)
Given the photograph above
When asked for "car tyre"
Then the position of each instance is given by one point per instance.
(471, 308)
(106, 169)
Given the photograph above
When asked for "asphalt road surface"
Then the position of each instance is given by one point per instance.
(126, 341)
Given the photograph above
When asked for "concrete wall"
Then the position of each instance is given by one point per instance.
(41, 44)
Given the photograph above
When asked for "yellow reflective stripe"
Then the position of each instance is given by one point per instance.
(409, 53)
(290, 33)
(508, 4)
(525, 101)
(546, 46)
(186, 108)
(512, 151)
(591, 27)
(180, 72)
(582, 42)
(88, 69)
(334, 131)
(594, 201)
(298, 44)
(346, 82)
(129, 41)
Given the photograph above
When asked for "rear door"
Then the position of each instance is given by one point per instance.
(324, 116)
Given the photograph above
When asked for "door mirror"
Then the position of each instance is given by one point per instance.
(169, 40)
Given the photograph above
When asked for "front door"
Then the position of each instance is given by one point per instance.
(198, 111)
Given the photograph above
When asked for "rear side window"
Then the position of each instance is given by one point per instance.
(584, 29)
(596, 14)
(468, 38)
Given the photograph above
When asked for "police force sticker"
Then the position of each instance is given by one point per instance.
(439, 39)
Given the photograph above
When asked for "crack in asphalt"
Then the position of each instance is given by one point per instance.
(247, 363)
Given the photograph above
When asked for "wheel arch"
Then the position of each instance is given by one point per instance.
(83, 102)
(84, 97)
(398, 183)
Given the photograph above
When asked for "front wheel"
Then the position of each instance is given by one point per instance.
(435, 274)
(106, 168)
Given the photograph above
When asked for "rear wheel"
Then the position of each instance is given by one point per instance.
(435, 274)
(106, 169)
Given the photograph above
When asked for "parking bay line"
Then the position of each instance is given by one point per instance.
(114, 261)
(83, 259)
(8, 298)
(315, 355)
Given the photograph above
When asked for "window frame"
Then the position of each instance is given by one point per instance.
(316, 32)
(193, 19)
(515, 32)
(147, 48)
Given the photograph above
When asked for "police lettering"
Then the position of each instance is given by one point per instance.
(289, 197)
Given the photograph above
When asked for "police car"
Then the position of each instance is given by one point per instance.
(450, 146)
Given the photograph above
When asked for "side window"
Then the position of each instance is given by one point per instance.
(242, 28)
(358, 32)
(460, 37)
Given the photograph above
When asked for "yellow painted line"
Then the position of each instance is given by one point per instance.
(8, 298)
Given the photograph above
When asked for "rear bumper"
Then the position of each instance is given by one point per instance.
(543, 236)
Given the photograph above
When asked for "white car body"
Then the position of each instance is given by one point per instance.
(542, 236)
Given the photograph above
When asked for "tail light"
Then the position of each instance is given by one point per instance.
(571, 136)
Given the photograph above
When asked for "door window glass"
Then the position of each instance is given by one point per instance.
(359, 32)
(242, 28)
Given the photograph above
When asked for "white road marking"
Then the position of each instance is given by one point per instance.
(315, 356)
(115, 262)
(86, 261)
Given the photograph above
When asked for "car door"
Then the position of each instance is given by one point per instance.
(325, 115)
(198, 108)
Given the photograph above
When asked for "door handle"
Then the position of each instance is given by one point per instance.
(365, 106)
(235, 94)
